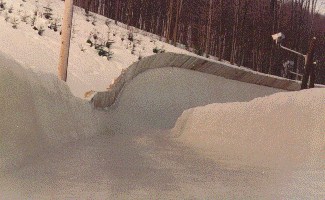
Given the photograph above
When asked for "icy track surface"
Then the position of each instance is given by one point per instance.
(54, 146)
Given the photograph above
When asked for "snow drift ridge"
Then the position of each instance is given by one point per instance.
(282, 130)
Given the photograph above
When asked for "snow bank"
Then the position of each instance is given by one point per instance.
(37, 112)
(285, 129)
(157, 97)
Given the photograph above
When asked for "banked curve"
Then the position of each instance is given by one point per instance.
(108, 98)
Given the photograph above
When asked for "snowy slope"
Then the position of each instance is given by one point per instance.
(87, 71)
(320, 7)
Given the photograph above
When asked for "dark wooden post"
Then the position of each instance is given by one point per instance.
(312, 76)
(309, 65)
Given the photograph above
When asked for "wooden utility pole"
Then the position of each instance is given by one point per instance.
(309, 67)
(87, 6)
(65, 40)
(169, 19)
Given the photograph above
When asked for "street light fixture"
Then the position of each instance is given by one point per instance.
(309, 74)
(279, 37)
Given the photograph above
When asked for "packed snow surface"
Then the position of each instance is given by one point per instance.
(54, 146)
(157, 97)
(154, 142)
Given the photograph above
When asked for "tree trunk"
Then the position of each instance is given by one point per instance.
(169, 20)
(117, 7)
(176, 27)
(207, 42)
(87, 6)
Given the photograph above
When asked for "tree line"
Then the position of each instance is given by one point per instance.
(238, 31)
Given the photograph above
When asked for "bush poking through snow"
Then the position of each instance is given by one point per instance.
(133, 49)
(140, 56)
(41, 30)
(74, 30)
(95, 36)
(25, 17)
(54, 24)
(7, 17)
(32, 21)
(15, 22)
(88, 15)
(107, 23)
(35, 12)
(109, 43)
(199, 52)
(104, 51)
(101, 45)
(155, 50)
(158, 50)
(40, 25)
(11, 9)
(48, 12)
(2, 5)
(130, 36)
(82, 48)
(94, 21)
(90, 42)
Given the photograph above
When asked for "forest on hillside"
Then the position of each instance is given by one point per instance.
(238, 31)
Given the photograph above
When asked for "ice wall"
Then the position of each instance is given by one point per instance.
(37, 111)
(221, 69)
(157, 97)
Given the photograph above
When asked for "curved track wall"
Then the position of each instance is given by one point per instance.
(107, 98)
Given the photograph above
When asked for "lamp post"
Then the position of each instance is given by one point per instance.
(279, 37)
(309, 64)
(65, 40)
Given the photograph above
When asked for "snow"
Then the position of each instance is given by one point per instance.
(87, 71)
(244, 142)
(157, 97)
(282, 130)
(38, 112)
(53, 145)
(320, 7)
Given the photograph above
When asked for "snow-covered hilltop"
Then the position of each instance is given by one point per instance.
(21, 22)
